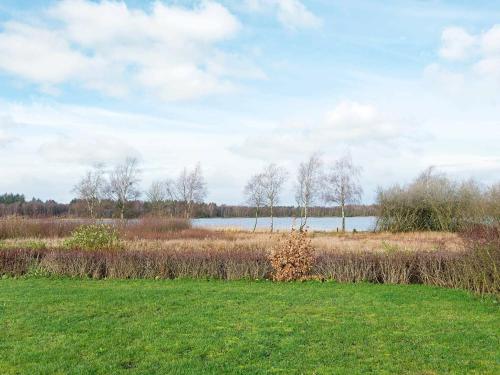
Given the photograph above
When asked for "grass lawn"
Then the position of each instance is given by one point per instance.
(51, 326)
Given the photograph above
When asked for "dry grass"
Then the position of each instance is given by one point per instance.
(14, 227)
(205, 239)
(411, 241)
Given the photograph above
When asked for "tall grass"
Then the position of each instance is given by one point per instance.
(153, 227)
(20, 227)
(147, 228)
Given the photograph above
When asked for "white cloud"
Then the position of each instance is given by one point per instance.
(6, 137)
(115, 49)
(39, 55)
(290, 13)
(489, 68)
(479, 53)
(457, 44)
(348, 124)
(490, 41)
(87, 150)
(352, 121)
(293, 14)
(437, 74)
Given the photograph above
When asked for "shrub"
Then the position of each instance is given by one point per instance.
(432, 202)
(483, 268)
(93, 237)
(293, 257)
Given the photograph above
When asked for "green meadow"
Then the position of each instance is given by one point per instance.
(81, 326)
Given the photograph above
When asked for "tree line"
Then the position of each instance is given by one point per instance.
(431, 202)
(337, 184)
(37, 208)
(102, 193)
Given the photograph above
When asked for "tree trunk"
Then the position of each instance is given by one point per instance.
(122, 210)
(256, 216)
(301, 214)
(305, 217)
(343, 217)
(272, 219)
(90, 208)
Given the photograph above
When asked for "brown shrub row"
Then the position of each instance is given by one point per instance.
(476, 270)
(137, 264)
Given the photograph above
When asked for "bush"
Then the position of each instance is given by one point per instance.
(293, 257)
(432, 202)
(93, 237)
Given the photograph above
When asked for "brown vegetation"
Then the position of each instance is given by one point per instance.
(293, 257)
(147, 228)
(170, 248)
(475, 268)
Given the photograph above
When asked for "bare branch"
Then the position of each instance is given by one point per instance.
(91, 189)
(123, 183)
(341, 184)
(273, 179)
(190, 188)
(307, 187)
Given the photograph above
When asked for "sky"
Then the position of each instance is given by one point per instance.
(235, 85)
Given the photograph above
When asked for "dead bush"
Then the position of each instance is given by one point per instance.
(293, 257)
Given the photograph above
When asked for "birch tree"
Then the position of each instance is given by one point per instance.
(341, 184)
(123, 183)
(190, 188)
(90, 189)
(307, 186)
(273, 179)
(254, 192)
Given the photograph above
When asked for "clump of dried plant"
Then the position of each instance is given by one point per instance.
(293, 257)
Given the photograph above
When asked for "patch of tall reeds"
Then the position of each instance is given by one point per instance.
(146, 228)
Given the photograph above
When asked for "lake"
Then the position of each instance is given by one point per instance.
(360, 223)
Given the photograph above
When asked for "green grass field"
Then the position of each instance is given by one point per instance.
(72, 326)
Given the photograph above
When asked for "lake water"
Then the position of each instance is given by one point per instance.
(360, 223)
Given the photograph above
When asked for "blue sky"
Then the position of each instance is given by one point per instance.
(238, 84)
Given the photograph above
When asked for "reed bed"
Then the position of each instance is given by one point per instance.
(13, 227)
(20, 227)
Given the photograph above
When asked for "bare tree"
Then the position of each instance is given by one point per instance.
(341, 184)
(159, 194)
(273, 179)
(190, 188)
(307, 187)
(91, 189)
(122, 184)
(156, 196)
(254, 191)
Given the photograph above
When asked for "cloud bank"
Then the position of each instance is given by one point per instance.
(170, 51)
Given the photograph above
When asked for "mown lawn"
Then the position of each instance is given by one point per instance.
(73, 326)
